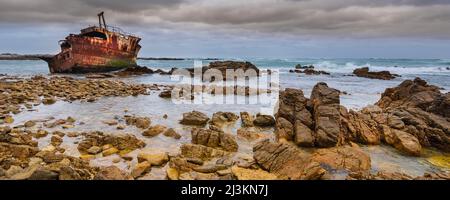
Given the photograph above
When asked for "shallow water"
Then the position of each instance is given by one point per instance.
(361, 92)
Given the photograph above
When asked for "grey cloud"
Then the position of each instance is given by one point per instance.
(330, 18)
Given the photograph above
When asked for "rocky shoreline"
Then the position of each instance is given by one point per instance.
(307, 139)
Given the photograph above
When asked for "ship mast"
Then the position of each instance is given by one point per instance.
(101, 18)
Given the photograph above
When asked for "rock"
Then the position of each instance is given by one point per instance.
(416, 93)
(29, 124)
(111, 122)
(48, 101)
(139, 122)
(343, 158)
(200, 152)
(8, 120)
(249, 134)
(41, 134)
(113, 143)
(140, 169)
(154, 131)
(286, 161)
(310, 71)
(134, 71)
(221, 118)
(284, 129)
(43, 174)
(94, 150)
(214, 139)
(172, 133)
(211, 168)
(121, 127)
(194, 118)
(246, 119)
(402, 141)
(172, 173)
(383, 75)
(303, 135)
(251, 174)
(361, 128)
(167, 94)
(112, 173)
(56, 140)
(264, 120)
(326, 114)
(49, 148)
(155, 159)
(110, 151)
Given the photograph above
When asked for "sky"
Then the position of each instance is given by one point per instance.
(240, 29)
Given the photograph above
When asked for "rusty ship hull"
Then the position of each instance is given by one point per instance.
(95, 49)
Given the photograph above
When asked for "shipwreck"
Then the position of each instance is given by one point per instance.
(99, 48)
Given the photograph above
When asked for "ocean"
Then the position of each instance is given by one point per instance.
(360, 92)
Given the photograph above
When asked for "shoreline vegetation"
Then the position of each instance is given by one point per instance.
(13, 56)
(313, 138)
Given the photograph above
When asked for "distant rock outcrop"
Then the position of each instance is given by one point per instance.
(383, 75)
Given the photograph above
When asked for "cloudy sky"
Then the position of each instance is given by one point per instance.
(237, 28)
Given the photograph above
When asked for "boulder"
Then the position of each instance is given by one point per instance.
(215, 139)
(220, 118)
(140, 169)
(154, 131)
(286, 161)
(246, 119)
(343, 158)
(201, 152)
(139, 122)
(264, 120)
(172, 133)
(252, 174)
(250, 134)
(194, 118)
(402, 141)
(112, 173)
(325, 102)
(154, 158)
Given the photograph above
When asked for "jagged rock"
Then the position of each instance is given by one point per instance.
(416, 93)
(172, 133)
(112, 173)
(214, 139)
(249, 134)
(325, 102)
(360, 127)
(264, 120)
(154, 158)
(139, 122)
(343, 158)
(110, 144)
(194, 118)
(167, 94)
(252, 174)
(221, 118)
(172, 173)
(246, 119)
(286, 160)
(201, 152)
(303, 135)
(154, 131)
(140, 169)
(402, 141)
(383, 75)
